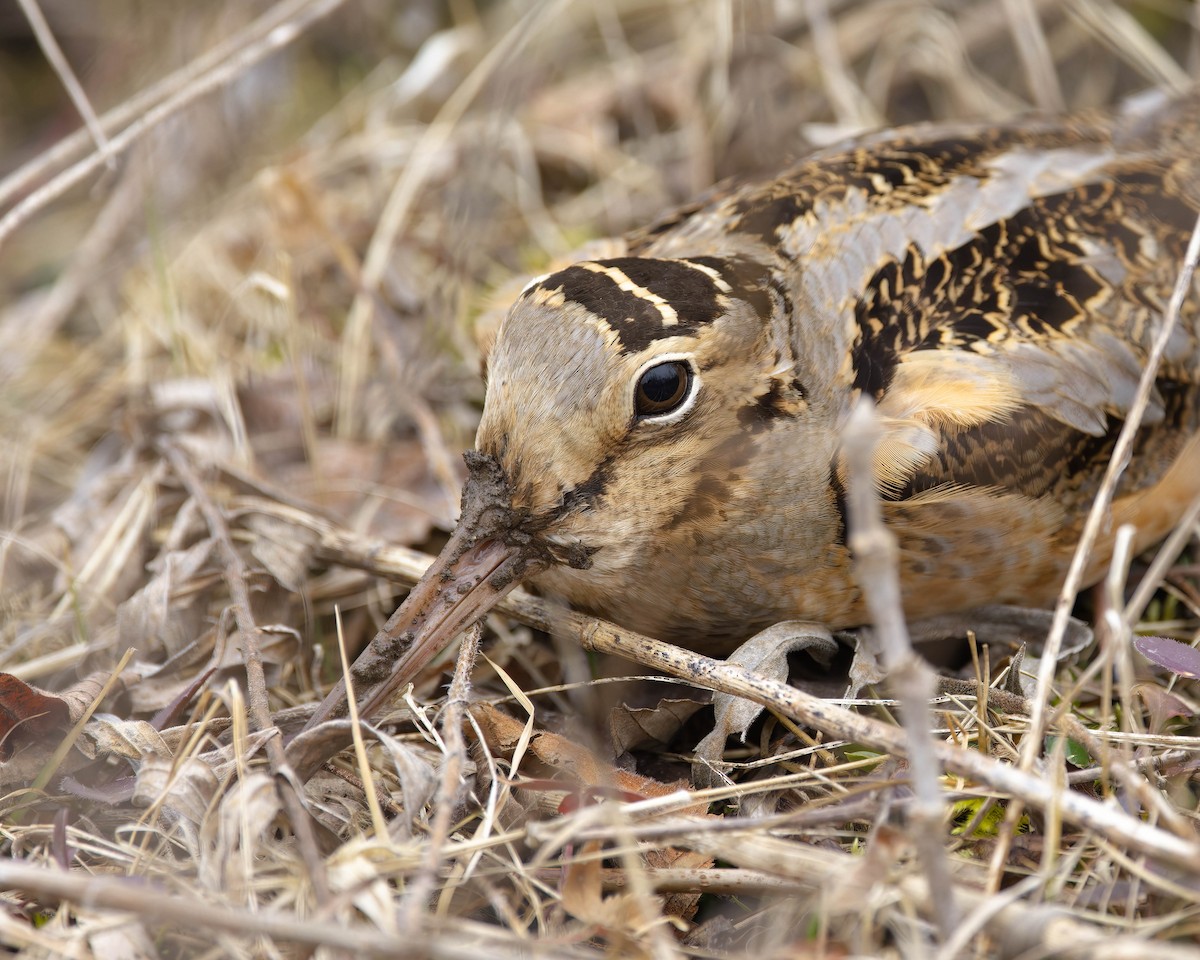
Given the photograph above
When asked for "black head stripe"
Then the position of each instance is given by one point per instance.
(644, 299)
(748, 280)
(637, 320)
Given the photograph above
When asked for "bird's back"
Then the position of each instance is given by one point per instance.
(996, 291)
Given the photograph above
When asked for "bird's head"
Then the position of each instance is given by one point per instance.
(621, 395)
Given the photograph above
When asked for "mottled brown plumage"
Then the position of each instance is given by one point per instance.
(660, 440)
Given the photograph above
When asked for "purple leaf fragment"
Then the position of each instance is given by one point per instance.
(1170, 654)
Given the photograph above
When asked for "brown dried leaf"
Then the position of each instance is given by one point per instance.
(148, 620)
(620, 915)
(582, 889)
(28, 716)
(681, 905)
(244, 819)
(186, 788)
(284, 549)
(31, 716)
(278, 643)
(500, 731)
(169, 681)
(311, 748)
(1163, 705)
(132, 739)
(632, 727)
(565, 756)
(417, 776)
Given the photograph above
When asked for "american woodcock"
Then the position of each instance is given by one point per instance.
(660, 438)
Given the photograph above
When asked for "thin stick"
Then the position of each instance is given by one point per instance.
(53, 53)
(356, 339)
(1030, 39)
(450, 788)
(73, 146)
(399, 563)
(218, 77)
(21, 338)
(234, 573)
(466, 941)
(360, 748)
(876, 558)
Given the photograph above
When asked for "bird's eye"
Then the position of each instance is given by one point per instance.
(662, 389)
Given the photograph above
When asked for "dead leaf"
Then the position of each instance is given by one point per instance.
(33, 722)
(186, 787)
(1179, 658)
(418, 779)
(148, 620)
(170, 680)
(582, 890)
(284, 549)
(621, 917)
(632, 727)
(1163, 705)
(278, 644)
(766, 654)
(594, 780)
(681, 905)
(243, 823)
(28, 716)
(500, 731)
(131, 739)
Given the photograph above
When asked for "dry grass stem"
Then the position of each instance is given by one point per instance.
(235, 575)
(54, 55)
(174, 104)
(821, 714)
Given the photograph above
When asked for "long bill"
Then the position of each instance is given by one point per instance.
(481, 563)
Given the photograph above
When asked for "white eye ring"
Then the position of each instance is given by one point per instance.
(691, 389)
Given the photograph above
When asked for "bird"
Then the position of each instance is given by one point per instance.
(660, 441)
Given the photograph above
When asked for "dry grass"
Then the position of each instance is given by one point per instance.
(236, 370)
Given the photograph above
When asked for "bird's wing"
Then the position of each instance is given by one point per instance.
(998, 291)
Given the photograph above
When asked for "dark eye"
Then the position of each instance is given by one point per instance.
(662, 388)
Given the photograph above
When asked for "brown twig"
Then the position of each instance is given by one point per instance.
(53, 53)
(21, 342)
(450, 788)
(72, 147)
(256, 683)
(460, 939)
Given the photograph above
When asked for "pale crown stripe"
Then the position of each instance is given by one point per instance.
(669, 317)
(712, 274)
